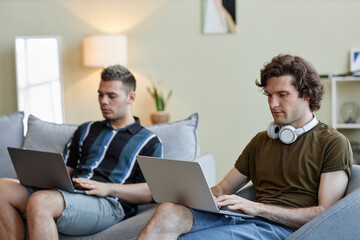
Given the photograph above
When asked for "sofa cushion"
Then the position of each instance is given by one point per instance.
(12, 135)
(179, 138)
(46, 136)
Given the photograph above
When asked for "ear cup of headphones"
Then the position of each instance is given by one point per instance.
(288, 134)
(273, 130)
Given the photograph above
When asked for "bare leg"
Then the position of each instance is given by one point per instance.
(13, 199)
(169, 222)
(43, 208)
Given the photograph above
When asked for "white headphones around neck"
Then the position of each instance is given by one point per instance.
(288, 134)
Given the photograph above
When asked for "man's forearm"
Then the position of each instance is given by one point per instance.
(138, 193)
(292, 217)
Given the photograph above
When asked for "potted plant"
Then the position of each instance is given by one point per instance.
(160, 116)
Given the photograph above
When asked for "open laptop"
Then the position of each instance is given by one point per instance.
(180, 182)
(41, 169)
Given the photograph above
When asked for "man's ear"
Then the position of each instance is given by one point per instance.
(131, 97)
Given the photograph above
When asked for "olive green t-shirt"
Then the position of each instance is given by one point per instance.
(289, 174)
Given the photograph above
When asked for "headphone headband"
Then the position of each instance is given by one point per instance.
(311, 124)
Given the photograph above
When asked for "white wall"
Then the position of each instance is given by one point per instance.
(210, 74)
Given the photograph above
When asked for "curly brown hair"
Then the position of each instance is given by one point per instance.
(305, 78)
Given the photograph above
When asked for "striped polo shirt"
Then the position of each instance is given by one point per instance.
(98, 152)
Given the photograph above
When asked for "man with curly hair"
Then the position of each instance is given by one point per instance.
(299, 167)
(101, 158)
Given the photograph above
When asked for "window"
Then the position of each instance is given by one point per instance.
(38, 73)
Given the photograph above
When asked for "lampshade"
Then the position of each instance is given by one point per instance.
(104, 50)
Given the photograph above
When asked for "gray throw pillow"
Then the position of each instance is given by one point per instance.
(11, 135)
(47, 136)
(179, 138)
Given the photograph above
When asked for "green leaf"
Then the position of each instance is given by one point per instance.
(158, 97)
(169, 95)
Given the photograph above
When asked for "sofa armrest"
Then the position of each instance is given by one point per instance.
(207, 163)
(354, 182)
(340, 221)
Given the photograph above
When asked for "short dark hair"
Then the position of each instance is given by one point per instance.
(120, 73)
(305, 78)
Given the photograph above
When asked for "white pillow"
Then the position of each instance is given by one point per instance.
(47, 136)
(11, 129)
(179, 138)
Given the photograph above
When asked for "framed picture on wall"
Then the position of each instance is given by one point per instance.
(355, 61)
(218, 16)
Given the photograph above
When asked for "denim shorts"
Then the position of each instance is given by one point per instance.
(87, 214)
(217, 226)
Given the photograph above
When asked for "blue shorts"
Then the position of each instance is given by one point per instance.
(87, 214)
(217, 226)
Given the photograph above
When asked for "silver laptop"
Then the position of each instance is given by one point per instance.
(180, 182)
(41, 169)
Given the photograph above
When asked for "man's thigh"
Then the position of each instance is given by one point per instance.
(86, 214)
(217, 226)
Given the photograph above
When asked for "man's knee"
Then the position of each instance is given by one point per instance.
(4, 188)
(13, 194)
(170, 221)
(45, 203)
(168, 208)
(5, 198)
(8, 186)
(174, 211)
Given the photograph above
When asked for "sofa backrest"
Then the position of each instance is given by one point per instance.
(11, 135)
(179, 138)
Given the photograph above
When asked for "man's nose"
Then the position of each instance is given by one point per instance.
(103, 100)
(273, 102)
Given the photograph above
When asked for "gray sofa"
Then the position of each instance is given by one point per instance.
(339, 222)
(179, 139)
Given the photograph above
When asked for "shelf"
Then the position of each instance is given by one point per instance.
(347, 126)
(345, 79)
(335, 80)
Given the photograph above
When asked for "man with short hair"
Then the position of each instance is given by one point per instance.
(101, 158)
(299, 167)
